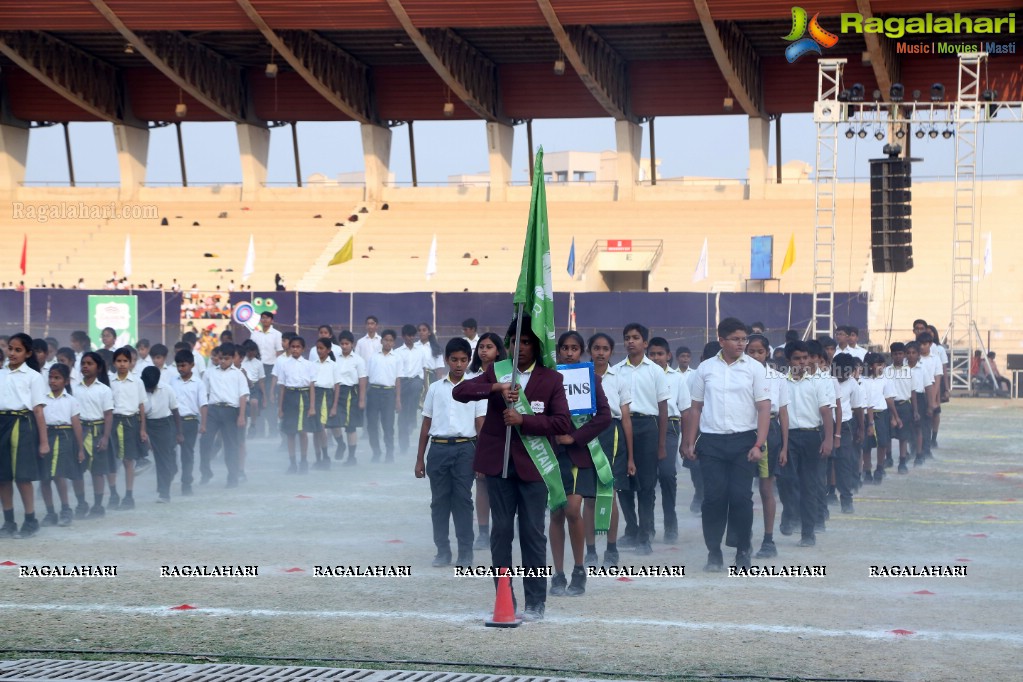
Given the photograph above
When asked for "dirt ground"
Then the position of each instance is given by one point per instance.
(961, 509)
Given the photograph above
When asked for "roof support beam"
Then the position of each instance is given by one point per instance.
(735, 56)
(340, 78)
(201, 72)
(602, 70)
(880, 49)
(470, 74)
(85, 81)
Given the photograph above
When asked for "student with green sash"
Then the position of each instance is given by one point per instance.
(540, 412)
(582, 463)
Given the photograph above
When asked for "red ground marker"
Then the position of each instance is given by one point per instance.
(977, 535)
(8, 563)
(990, 517)
(225, 514)
(1009, 499)
(923, 592)
(303, 497)
(394, 542)
(293, 569)
(624, 579)
(183, 607)
(127, 534)
(902, 633)
(963, 561)
(373, 483)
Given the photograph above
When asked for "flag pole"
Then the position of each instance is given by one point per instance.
(514, 383)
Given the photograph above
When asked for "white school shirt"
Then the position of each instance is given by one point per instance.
(778, 385)
(314, 356)
(648, 384)
(873, 393)
(94, 401)
(939, 351)
(472, 342)
(367, 347)
(351, 368)
(900, 382)
(269, 343)
(616, 391)
(413, 362)
(687, 374)
(729, 393)
(190, 395)
(144, 362)
(328, 374)
(225, 386)
(129, 393)
(855, 351)
(430, 361)
(295, 373)
(253, 369)
(934, 362)
(448, 416)
(849, 394)
(59, 411)
(383, 369)
(679, 400)
(160, 403)
(922, 377)
(806, 397)
(22, 388)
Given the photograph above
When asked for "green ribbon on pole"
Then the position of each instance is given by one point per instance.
(605, 480)
(538, 447)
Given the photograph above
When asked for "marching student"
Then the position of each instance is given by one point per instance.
(163, 423)
(943, 389)
(819, 364)
(324, 331)
(710, 349)
(64, 433)
(469, 327)
(227, 393)
(679, 401)
(923, 401)
(758, 348)
(650, 395)
(384, 395)
(412, 370)
(880, 417)
(731, 409)
(370, 344)
(578, 476)
(144, 351)
(352, 396)
(23, 442)
(192, 400)
(846, 455)
(66, 356)
(252, 367)
(328, 390)
(524, 492)
(80, 343)
(932, 363)
(811, 434)
(271, 346)
(129, 427)
(450, 428)
(616, 441)
(901, 379)
(108, 337)
(158, 358)
(430, 347)
(489, 349)
(96, 405)
(296, 402)
(683, 356)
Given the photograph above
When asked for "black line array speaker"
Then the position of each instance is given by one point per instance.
(891, 243)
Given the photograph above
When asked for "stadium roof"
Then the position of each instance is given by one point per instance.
(133, 61)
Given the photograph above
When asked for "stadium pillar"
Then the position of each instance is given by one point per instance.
(629, 141)
(759, 149)
(254, 146)
(499, 150)
(376, 150)
(13, 157)
(132, 154)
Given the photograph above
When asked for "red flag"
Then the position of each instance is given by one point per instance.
(24, 254)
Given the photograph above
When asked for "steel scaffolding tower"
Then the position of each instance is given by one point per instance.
(827, 114)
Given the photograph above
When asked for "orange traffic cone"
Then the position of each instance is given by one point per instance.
(504, 607)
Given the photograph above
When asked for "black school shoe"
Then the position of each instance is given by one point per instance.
(807, 541)
(715, 562)
(743, 558)
(97, 511)
(441, 560)
(627, 542)
(8, 529)
(767, 550)
(27, 530)
(534, 612)
(889, 462)
(559, 585)
(66, 517)
(82, 510)
(50, 519)
(115, 500)
(610, 558)
(591, 559)
(578, 585)
(878, 476)
(644, 548)
(127, 503)
(867, 476)
(903, 469)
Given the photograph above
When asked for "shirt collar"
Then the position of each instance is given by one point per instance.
(529, 370)
(63, 394)
(447, 378)
(644, 361)
(128, 377)
(721, 356)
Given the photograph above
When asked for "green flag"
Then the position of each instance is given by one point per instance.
(534, 289)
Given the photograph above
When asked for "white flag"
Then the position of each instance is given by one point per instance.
(700, 273)
(987, 254)
(431, 260)
(127, 256)
(250, 260)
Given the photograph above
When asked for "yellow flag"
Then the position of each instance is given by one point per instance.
(344, 254)
(790, 255)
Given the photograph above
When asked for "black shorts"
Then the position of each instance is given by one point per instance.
(19, 447)
(324, 401)
(348, 408)
(768, 465)
(256, 393)
(612, 440)
(296, 417)
(905, 412)
(577, 480)
(97, 461)
(882, 428)
(126, 443)
(62, 462)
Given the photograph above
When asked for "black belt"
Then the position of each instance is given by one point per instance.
(456, 439)
(234, 407)
(637, 415)
(674, 419)
(190, 418)
(902, 402)
(14, 413)
(296, 388)
(381, 386)
(774, 415)
(93, 422)
(58, 427)
(815, 428)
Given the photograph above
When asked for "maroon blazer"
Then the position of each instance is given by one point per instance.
(545, 386)
(577, 451)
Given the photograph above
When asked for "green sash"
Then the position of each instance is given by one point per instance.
(605, 479)
(538, 447)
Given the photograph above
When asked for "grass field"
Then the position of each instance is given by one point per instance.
(961, 509)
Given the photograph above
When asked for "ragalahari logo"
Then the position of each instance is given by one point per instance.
(801, 45)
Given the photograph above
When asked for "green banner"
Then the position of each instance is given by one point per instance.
(538, 447)
(118, 312)
(605, 480)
